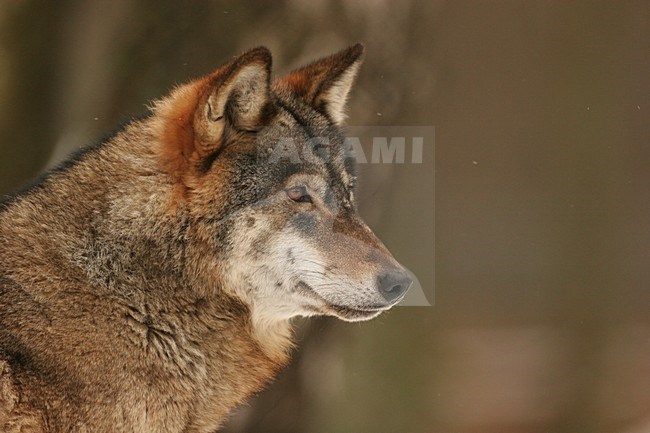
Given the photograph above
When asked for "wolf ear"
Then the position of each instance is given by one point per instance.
(236, 95)
(326, 83)
(198, 118)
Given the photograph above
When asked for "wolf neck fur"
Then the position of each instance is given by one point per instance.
(119, 243)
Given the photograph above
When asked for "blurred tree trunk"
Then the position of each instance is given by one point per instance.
(31, 44)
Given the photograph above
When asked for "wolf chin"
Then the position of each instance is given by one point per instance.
(148, 284)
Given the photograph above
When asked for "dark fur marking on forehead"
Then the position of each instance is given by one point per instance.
(333, 172)
(297, 117)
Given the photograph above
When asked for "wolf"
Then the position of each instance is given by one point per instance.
(149, 283)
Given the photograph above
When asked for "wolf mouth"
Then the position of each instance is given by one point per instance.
(354, 313)
(342, 311)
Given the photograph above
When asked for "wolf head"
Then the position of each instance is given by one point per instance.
(268, 184)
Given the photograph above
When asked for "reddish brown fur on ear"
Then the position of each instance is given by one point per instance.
(325, 83)
(176, 114)
(192, 120)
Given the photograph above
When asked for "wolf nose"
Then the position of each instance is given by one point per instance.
(393, 284)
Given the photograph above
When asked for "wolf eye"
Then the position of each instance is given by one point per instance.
(299, 194)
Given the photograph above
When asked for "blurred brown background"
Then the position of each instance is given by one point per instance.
(541, 201)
